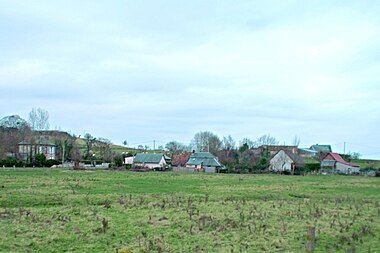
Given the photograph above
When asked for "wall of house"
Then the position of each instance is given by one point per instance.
(345, 168)
(25, 151)
(129, 160)
(281, 162)
(161, 164)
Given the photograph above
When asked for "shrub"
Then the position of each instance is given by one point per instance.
(119, 161)
(51, 162)
(40, 160)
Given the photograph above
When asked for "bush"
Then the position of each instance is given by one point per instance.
(10, 162)
(51, 162)
(40, 160)
(119, 161)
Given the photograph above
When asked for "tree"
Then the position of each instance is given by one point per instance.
(11, 137)
(103, 146)
(296, 141)
(206, 141)
(355, 155)
(176, 147)
(89, 139)
(248, 159)
(265, 140)
(40, 160)
(39, 119)
(246, 144)
(125, 143)
(228, 143)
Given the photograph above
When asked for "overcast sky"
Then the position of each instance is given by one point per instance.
(164, 70)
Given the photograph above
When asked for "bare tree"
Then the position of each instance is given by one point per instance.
(103, 146)
(176, 147)
(206, 141)
(39, 119)
(228, 143)
(246, 143)
(265, 140)
(296, 141)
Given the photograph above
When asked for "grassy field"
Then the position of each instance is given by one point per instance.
(45, 210)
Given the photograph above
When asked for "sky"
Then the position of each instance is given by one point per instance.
(165, 70)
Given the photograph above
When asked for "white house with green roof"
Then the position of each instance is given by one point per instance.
(151, 160)
(203, 161)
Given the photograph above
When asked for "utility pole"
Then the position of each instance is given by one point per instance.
(344, 148)
(154, 145)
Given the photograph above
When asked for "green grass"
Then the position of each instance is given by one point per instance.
(364, 163)
(46, 210)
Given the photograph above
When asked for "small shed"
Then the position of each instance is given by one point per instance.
(335, 163)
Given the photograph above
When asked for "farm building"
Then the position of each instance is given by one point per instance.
(204, 162)
(321, 148)
(335, 163)
(285, 161)
(180, 160)
(307, 152)
(151, 160)
(129, 160)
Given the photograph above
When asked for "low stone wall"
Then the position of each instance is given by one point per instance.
(182, 169)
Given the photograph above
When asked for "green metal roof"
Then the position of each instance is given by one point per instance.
(321, 148)
(148, 158)
(203, 158)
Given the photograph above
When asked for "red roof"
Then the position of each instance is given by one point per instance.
(180, 159)
(338, 158)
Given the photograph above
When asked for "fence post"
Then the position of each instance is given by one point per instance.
(310, 239)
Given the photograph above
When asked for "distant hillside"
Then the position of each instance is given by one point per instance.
(366, 163)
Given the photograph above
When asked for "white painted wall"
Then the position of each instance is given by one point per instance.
(128, 160)
(345, 168)
(281, 162)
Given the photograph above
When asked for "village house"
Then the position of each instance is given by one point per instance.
(321, 148)
(307, 153)
(129, 160)
(151, 161)
(285, 161)
(203, 162)
(27, 150)
(334, 163)
(180, 160)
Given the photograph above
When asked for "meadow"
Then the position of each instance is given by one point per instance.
(58, 210)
